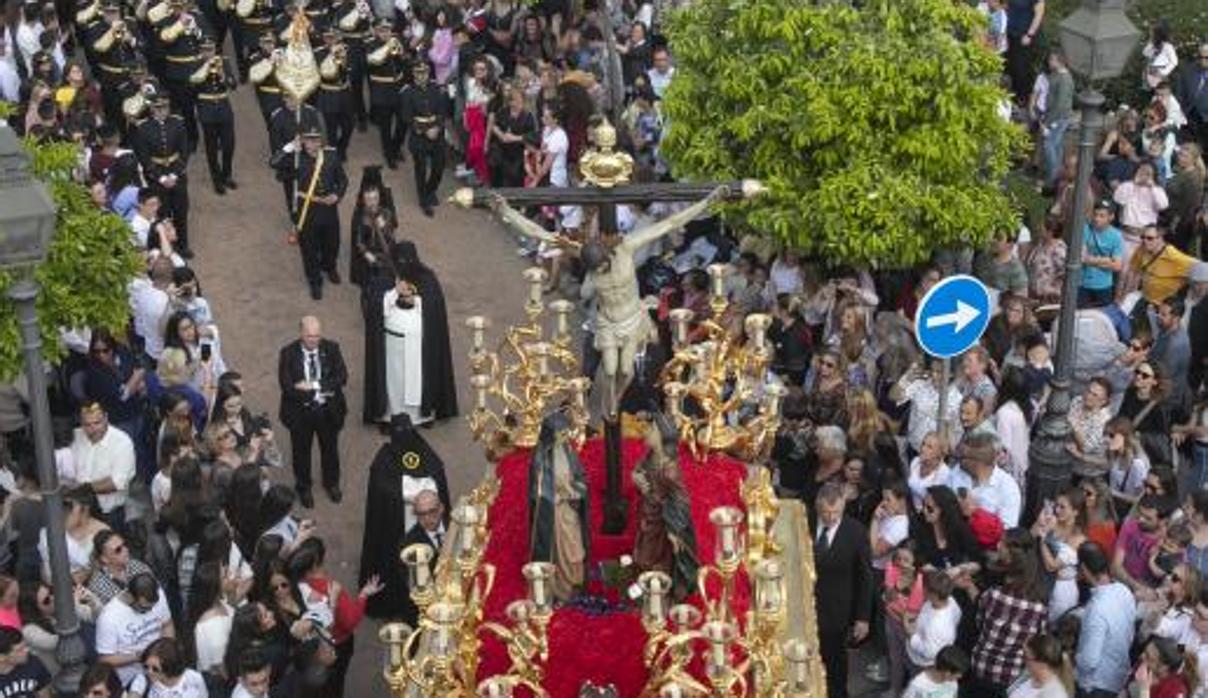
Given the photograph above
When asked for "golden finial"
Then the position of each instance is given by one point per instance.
(604, 166)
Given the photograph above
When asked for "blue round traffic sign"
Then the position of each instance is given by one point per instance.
(952, 316)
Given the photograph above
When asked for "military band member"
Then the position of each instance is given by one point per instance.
(423, 108)
(321, 184)
(162, 148)
(287, 122)
(218, 18)
(181, 38)
(214, 81)
(253, 19)
(263, 74)
(113, 47)
(136, 93)
(89, 26)
(335, 93)
(385, 59)
(354, 19)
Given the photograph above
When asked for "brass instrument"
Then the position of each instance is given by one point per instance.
(245, 8)
(216, 67)
(391, 49)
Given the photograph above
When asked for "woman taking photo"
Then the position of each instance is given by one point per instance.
(201, 345)
(1059, 531)
(37, 608)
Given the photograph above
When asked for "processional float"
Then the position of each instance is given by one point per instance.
(720, 402)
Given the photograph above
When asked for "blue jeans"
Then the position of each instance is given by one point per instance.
(1054, 150)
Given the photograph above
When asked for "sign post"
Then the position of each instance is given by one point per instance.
(950, 320)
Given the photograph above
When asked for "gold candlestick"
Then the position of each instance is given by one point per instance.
(680, 317)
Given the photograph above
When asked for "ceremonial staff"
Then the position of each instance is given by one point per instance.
(298, 75)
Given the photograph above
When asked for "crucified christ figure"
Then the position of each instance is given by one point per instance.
(622, 323)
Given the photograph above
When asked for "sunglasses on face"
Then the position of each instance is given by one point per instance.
(1175, 579)
(1141, 373)
(1149, 238)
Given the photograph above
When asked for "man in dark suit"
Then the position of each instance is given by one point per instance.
(429, 530)
(312, 375)
(843, 594)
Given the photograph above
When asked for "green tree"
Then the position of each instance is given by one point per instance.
(875, 129)
(86, 271)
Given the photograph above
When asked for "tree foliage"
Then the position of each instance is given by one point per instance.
(875, 129)
(86, 271)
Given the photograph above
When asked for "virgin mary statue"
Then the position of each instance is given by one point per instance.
(557, 506)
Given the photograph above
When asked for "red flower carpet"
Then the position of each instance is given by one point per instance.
(601, 647)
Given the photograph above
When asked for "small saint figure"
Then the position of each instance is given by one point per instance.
(557, 506)
(665, 540)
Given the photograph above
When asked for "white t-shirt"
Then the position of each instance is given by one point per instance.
(922, 686)
(918, 484)
(555, 142)
(190, 685)
(122, 630)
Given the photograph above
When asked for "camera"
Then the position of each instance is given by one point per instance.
(261, 422)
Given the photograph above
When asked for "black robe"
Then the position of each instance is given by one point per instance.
(439, 399)
(359, 270)
(385, 524)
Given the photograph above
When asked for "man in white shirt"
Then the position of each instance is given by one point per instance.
(104, 458)
(149, 303)
(131, 622)
(992, 488)
(662, 71)
(144, 215)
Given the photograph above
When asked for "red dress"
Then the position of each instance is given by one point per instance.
(475, 120)
(1172, 686)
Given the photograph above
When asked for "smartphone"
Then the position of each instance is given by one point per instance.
(207, 350)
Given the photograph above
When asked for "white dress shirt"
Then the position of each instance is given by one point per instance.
(111, 457)
(999, 494)
(148, 304)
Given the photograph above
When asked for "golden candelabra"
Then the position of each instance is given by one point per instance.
(715, 389)
(527, 375)
(441, 656)
(741, 656)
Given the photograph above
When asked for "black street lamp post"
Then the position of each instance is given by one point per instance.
(27, 223)
(1097, 40)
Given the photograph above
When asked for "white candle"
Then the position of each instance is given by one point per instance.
(539, 593)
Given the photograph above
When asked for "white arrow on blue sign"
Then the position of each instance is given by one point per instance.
(952, 316)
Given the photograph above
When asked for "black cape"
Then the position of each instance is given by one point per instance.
(359, 270)
(385, 524)
(439, 391)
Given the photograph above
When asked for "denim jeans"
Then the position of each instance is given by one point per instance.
(1054, 150)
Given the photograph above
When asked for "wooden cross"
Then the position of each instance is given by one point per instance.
(607, 172)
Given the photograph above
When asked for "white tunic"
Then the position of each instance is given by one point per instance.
(404, 355)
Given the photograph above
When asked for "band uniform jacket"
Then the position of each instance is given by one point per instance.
(181, 47)
(263, 75)
(333, 374)
(162, 147)
(214, 88)
(353, 25)
(111, 55)
(421, 109)
(331, 180)
(335, 91)
(844, 590)
(386, 68)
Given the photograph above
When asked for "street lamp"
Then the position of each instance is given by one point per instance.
(1097, 40)
(27, 222)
